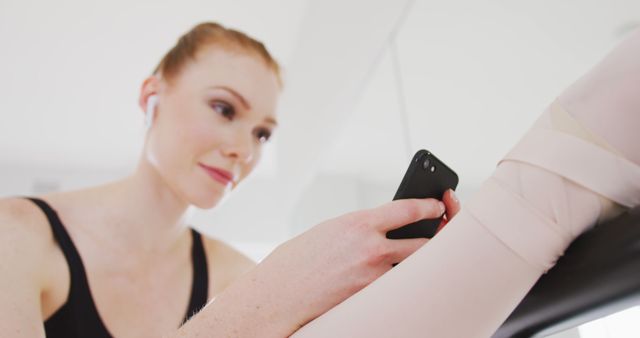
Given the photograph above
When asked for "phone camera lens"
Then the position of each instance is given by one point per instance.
(433, 168)
(426, 163)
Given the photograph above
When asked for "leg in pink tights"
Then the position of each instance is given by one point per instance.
(579, 163)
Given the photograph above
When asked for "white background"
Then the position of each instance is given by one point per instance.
(367, 84)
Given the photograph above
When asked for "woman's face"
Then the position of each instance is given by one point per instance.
(211, 122)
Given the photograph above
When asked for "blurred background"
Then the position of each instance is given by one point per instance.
(367, 83)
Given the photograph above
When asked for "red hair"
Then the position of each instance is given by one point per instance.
(212, 34)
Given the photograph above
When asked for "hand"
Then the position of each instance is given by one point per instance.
(308, 275)
(320, 268)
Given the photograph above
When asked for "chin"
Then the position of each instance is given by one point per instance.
(206, 199)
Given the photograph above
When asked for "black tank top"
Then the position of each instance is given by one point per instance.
(78, 317)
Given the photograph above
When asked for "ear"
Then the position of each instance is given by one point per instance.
(150, 86)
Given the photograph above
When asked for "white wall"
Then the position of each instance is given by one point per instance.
(474, 74)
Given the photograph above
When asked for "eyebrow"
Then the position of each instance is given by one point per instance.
(240, 98)
(271, 120)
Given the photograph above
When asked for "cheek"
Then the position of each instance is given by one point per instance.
(166, 151)
(202, 138)
(199, 134)
(174, 149)
(175, 144)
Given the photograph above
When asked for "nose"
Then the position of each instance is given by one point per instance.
(240, 147)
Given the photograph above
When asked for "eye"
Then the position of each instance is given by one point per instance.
(263, 135)
(224, 109)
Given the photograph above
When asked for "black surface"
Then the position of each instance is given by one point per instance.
(598, 275)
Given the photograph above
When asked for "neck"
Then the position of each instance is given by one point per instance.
(139, 214)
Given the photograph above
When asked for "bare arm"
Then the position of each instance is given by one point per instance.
(312, 273)
(21, 253)
(248, 308)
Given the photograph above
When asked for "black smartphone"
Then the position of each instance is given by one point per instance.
(427, 177)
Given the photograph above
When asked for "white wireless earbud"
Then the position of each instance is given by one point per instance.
(150, 113)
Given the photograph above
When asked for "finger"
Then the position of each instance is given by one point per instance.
(451, 203)
(403, 248)
(443, 223)
(397, 213)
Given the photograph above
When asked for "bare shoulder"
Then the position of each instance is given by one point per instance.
(23, 246)
(225, 263)
(23, 224)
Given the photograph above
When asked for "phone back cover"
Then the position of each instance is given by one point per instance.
(422, 183)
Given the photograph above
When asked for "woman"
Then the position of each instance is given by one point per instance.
(119, 260)
(463, 284)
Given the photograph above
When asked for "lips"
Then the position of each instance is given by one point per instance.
(223, 176)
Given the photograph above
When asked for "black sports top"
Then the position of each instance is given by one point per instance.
(78, 317)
